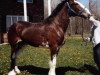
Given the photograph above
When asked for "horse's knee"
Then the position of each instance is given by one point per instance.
(13, 56)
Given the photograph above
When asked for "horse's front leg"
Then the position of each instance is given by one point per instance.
(52, 63)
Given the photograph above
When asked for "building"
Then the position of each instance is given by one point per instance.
(12, 11)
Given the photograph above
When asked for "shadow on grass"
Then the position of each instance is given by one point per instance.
(59, 71)
(34, 70)
(92, 69)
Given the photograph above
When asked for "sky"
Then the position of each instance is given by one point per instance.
(84, 2)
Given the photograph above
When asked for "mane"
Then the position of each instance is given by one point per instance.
(56, 10)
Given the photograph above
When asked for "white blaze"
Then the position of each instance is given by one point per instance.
(83, 7)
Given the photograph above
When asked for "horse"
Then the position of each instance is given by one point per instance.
(95, 38)
(48, 33)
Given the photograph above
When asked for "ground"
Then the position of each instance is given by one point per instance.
(74, 58)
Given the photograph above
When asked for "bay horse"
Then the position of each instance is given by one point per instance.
(48, 33)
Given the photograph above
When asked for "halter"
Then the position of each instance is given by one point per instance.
(72, 12)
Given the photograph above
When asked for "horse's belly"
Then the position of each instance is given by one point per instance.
(36, 41)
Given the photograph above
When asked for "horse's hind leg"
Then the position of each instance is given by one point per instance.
(14, 68)
(14, 52)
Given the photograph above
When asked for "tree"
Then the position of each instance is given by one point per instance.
(93, 6)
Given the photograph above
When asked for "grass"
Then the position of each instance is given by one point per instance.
(74, 58)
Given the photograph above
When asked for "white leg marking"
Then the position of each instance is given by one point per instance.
(52, 66)
(87, 10)
(14, 71)
(17, 70)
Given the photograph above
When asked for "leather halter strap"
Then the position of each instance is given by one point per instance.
(70, 10)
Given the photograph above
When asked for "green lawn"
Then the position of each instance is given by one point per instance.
(74, 58)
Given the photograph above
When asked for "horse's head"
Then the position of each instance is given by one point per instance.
(77, 9)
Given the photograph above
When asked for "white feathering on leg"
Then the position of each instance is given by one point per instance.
(52, 66)
(12, 72)
(17, 70)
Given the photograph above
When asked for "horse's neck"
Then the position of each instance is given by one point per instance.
(62, 19)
